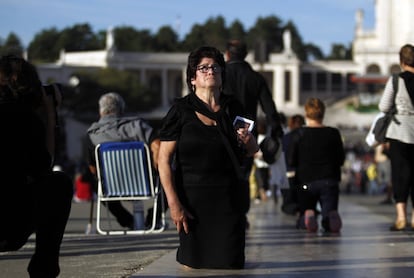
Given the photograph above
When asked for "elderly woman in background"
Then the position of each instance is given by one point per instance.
(199, 165)
(317, 153)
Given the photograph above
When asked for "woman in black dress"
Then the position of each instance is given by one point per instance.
(206, 201)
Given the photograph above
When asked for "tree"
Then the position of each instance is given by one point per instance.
(213, 32)
(12, 45)
(43, 47)
(47, 44)
(216, 33)
(313, 51)
(236, 31)
(194, 39)
(79, 37)
(85, 97)
(129, 39)
(297, 43)
(166, 40)
(265, 37)
(340, 52)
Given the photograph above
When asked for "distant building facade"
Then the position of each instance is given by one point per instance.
(375, 56)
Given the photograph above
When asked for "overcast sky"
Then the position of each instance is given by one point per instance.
(321, 22)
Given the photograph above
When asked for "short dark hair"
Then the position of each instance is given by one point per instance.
(23, 79)
(407, 55)
(237, 49)
(314, 109)
(195, 57)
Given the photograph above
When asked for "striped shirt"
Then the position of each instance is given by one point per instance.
(404, 131)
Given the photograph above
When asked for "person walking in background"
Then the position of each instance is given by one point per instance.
(113, 126)
(372, 176)
(36, 200)
(384, 172)
(251, 89)
(290, 195)
(261, 169)
(278, 179)
(400, 134)
(207, 201)
(317, 153)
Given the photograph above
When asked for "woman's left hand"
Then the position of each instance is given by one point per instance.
(248, 140)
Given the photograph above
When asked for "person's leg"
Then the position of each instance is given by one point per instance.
(307, 204)
(329, 199)
(384, 180)
(53, 197)
(411, 182)
(290, 199)
(17, 219)
(258, 183)
(264, 186)
(122, 215)
(401, 177)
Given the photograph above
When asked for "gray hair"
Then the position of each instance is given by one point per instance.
(111, 103)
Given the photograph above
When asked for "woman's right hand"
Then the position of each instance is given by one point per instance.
(179, 214)
(180, 217)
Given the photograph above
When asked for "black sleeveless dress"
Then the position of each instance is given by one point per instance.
(207, 185)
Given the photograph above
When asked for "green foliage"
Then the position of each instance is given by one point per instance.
(340, 52)
(92, 85)
(11, 45)
(195, 38)
(47, 44)
(129, 39)
(43, 47)
(363, 108)
(267, 29)
(264, 37)
(166, 40)
(79, 37)
(297, 44)
(236, 31)
(313, 51)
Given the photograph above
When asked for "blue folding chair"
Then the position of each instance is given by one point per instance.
(124, 173)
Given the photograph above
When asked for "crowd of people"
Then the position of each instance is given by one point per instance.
(201, 156)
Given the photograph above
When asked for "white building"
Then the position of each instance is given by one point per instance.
(375, 56)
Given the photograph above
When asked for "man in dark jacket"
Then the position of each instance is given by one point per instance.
(250, 88)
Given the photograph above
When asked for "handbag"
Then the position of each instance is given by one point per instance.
(269, 148)
(378, 130)
(381, 126)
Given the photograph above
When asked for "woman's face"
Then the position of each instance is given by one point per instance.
(208, 75)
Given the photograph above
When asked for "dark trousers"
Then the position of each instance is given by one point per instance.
(41, 207)
(246, 169)
(122, 215)
(324, 191)
(402, 170)
(262, 178)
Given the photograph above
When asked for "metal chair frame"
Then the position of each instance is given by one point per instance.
(124, 173)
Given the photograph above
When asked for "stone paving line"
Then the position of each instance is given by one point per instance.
(364, 248)
(274, 248)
